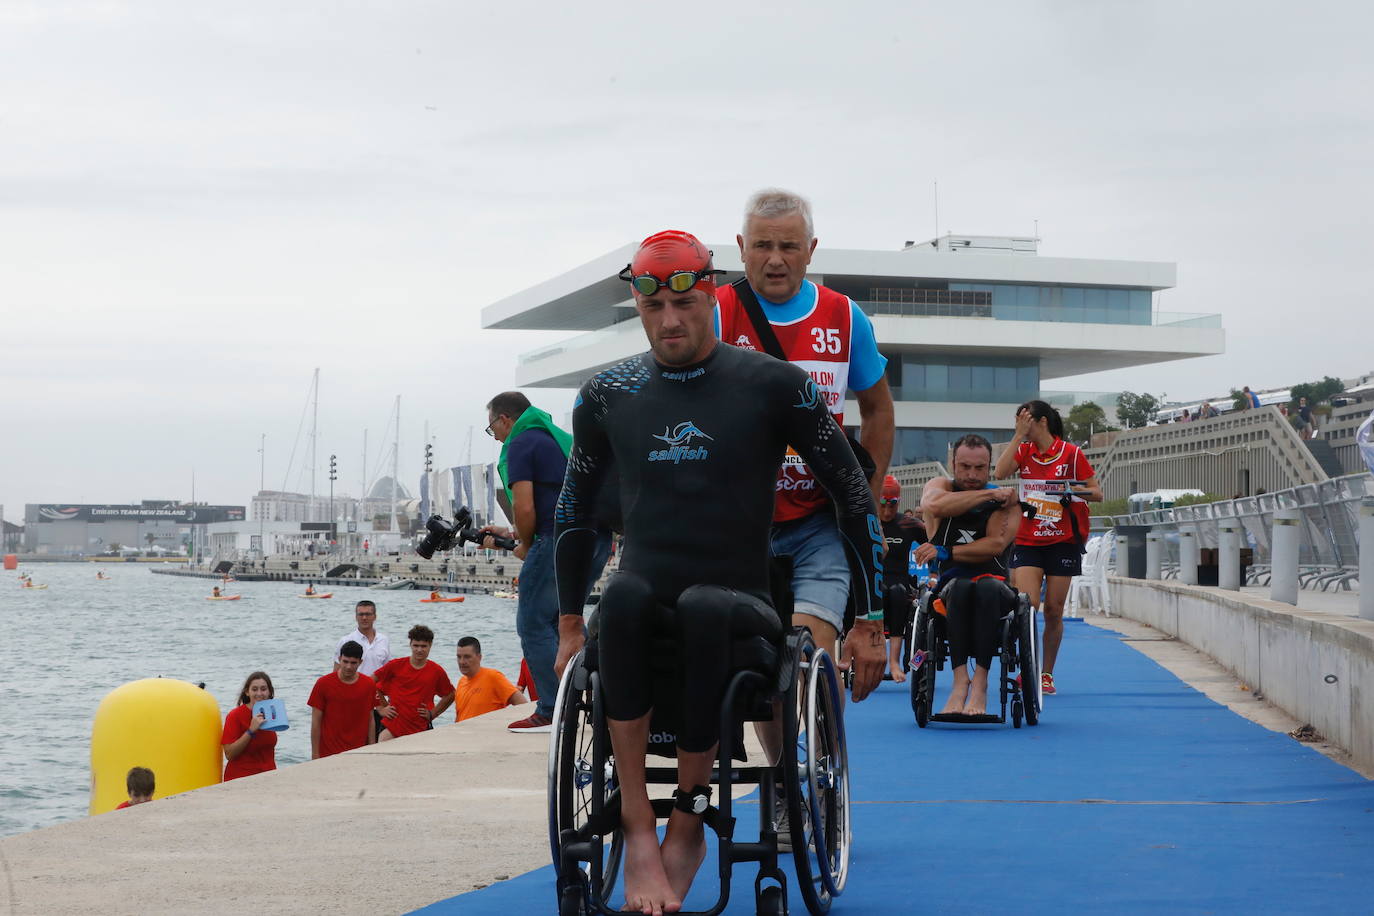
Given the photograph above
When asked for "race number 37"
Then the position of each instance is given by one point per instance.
(827, 340)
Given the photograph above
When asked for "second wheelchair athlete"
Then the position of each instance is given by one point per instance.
(974, 523)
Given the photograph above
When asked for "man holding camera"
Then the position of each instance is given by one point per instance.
(534, 458)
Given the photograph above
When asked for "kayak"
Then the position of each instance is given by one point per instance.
(33, 588)
(441, 600)
(223, 597)
(504, 595)
(321, 595)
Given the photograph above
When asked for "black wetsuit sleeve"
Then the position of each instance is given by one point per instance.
(818, 439)
(575, 521)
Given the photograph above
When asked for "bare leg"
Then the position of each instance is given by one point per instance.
(896, 665)
(958, 694)
(1056, 591)
(977, 703)
(647, 889)
(770, 733)
(684, 844)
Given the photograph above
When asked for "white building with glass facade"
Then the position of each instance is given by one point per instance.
(971, 326)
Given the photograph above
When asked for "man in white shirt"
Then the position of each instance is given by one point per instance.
(376, 647)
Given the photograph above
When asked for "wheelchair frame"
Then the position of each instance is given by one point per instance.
(584, 801)
(927, 649)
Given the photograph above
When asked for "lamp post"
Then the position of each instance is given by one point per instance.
(333, 476)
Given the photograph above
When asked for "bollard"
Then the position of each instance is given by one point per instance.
(1283, 582)
(1187, 557)
(1154, 556)
(1228, 555)
(1367, 558)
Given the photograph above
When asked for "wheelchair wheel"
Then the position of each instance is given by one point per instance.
(572, 782)
(1028, 660)
(817, 779)
(923, 677)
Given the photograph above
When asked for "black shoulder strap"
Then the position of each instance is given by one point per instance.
(762, 327)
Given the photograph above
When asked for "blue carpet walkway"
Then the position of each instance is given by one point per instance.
(1135, 794)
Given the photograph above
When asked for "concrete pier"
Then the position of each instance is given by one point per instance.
(1283, 582)
(384, 829)
(1188, 554)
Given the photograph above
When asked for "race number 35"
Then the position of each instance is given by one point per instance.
(827, 340)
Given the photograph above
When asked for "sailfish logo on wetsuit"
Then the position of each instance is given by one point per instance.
(679, 441)
(810, 397)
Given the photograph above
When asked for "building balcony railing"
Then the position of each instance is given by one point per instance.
(960, 396)
(580, 342)
(927, 310)
(1041, 313)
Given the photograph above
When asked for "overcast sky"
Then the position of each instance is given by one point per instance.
(199, 204)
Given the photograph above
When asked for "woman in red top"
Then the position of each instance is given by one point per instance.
(247, 747)
(1049, 547)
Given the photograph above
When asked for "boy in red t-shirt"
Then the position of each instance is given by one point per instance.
(141, 784)
(410, 686)
(341, 706)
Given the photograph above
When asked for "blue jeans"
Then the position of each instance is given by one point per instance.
(536, 615)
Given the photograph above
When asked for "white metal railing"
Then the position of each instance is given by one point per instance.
(1328, 522)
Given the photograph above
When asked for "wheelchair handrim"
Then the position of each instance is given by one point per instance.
(833, 878)
(555, 739)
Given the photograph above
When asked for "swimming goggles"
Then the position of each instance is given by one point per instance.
(679, 281)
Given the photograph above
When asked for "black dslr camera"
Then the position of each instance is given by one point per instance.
(441, 534)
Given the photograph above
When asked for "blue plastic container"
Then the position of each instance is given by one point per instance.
(274, 714)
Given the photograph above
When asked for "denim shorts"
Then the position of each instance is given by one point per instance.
(820, 572)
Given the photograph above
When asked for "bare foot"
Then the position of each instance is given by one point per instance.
(647, 890)
(958, 694)
(977, 703)
(683, 849)
(957, 700)
(895, 664)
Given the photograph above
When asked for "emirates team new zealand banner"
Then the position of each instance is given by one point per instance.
(186, 515)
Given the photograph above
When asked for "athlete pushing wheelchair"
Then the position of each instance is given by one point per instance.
(697, 432)
(972, 613)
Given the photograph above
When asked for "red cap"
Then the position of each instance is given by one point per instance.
(671, 250)
(891, 488)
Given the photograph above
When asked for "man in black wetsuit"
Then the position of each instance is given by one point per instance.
(974, 524)
(902, 534)
(698, 431)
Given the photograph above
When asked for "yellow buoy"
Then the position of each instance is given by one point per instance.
(171, 727)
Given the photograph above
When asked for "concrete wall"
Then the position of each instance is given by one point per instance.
(1317, 667)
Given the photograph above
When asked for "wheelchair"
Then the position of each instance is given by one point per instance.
(792, 674)
(927, 649)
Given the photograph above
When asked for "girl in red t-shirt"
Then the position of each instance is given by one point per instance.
(248, 749)
(1049, 547)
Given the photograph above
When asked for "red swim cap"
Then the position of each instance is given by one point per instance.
(891, 488)
(672, 250)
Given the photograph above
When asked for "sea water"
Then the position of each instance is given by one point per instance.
(69, 645)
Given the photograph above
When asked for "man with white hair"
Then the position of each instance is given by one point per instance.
(826, 334)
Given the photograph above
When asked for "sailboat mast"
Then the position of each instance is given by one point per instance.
(395, 468)
(314, 438)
